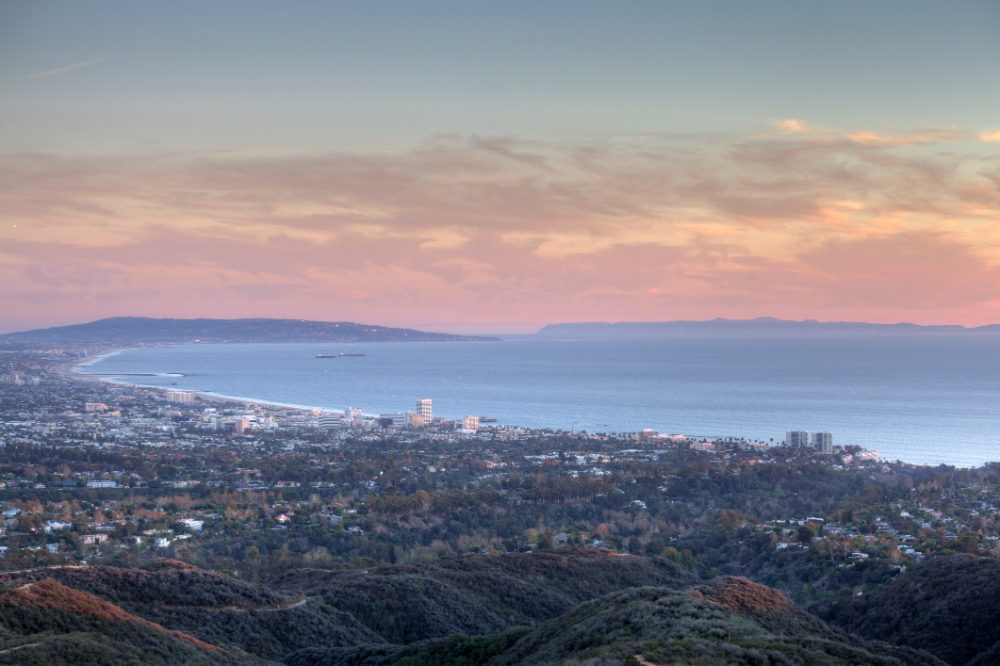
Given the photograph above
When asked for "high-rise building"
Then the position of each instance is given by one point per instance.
(472, 423)
(796, 439)
(823, 442)
(180, 396)
(424, 409)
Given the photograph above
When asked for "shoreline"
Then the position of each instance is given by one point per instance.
(72, 369)
(67, 369)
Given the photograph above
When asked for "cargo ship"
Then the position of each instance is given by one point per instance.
(350, 354)
(324, 356)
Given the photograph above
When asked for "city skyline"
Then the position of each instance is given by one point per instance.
(494, 168)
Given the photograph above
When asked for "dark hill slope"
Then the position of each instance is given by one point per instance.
(408, 608)
(478, 595)
(728, 621)
(214, 608)
(49, 624)
(671, 627)
(949, 606)
(144, 330)
(456, 650)
(271, 634)
(173, 584)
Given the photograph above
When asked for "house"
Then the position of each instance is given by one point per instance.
(93, 539)
(283, 518)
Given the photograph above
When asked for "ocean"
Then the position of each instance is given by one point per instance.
(921, 399)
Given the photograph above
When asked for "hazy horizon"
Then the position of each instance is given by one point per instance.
(609, 324)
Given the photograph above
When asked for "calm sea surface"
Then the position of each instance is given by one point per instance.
(925, 399)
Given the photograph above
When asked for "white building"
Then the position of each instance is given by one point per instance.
(472, 423)
(180, 396)
(329, 420)
(424, 409)
(823, 442)
(797, 439)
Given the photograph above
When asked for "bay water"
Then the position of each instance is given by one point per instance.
(922, 399)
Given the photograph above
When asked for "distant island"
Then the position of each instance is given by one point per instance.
(759, 327)
(128, 331)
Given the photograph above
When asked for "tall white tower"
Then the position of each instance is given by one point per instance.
(796, 439)
(822, 442)
(424, 409)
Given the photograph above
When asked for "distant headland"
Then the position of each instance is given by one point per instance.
(760, 327)
(130, 331)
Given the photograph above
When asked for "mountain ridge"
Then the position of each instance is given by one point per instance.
(148, 330)
(759, 327)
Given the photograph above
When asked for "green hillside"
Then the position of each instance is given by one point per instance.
(593, 608)
(690, 627)
(479, 595)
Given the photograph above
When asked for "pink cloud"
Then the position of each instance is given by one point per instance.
(484, 232)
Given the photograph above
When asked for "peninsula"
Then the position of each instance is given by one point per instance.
(132, 331)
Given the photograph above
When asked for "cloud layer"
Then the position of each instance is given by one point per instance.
(472, 233)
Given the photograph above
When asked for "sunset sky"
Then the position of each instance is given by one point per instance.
(498, 166)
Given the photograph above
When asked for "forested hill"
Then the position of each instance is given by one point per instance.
(129, 331)
(760, 327)
(568, 608)
(948, 606)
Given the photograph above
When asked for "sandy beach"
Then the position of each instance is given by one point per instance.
(67, 369)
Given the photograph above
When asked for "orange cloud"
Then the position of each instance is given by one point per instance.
(790, 126)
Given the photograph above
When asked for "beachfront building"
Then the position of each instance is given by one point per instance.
(823, 442)
(180, 396)
(797, 439)
(424, 409)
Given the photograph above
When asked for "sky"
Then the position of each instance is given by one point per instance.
(492, 167)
